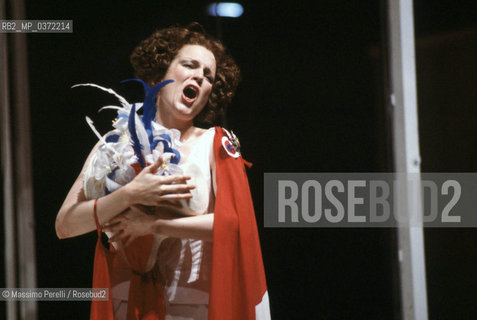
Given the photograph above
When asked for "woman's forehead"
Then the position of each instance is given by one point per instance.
(199, 53)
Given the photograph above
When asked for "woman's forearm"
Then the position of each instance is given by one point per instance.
(76, 215)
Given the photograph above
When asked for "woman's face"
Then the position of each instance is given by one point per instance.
(193, 72)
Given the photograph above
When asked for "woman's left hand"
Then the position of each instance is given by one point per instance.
(130, 224)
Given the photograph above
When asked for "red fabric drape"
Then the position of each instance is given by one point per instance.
(146, 294)
(238, 278)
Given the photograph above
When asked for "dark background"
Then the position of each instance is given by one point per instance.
(311, 100)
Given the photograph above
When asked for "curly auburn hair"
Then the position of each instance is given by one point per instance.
(152, 57)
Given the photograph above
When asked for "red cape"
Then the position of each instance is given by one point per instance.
(238, 289)
(238, 279)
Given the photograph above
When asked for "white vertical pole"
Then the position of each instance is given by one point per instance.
(23, 165)
(16, 165)
(406, 157)
(7, 173)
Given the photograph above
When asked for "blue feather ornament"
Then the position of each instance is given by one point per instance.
(166, 137)
(112, 138)
(167, 148)
(149, 105)
(135, 139)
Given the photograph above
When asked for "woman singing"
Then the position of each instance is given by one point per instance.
(184, 243)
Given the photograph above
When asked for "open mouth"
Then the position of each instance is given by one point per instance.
(190, 92)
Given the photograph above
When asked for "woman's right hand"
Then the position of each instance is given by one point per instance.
(152, 190)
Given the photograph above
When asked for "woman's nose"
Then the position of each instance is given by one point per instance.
(199, 77)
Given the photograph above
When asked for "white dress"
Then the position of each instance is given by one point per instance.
(185, 264)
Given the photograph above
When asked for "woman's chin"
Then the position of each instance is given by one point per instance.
(186, 112)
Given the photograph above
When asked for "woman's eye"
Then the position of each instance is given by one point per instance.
(188, 64)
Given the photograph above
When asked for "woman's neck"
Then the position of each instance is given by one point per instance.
(186, 128)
